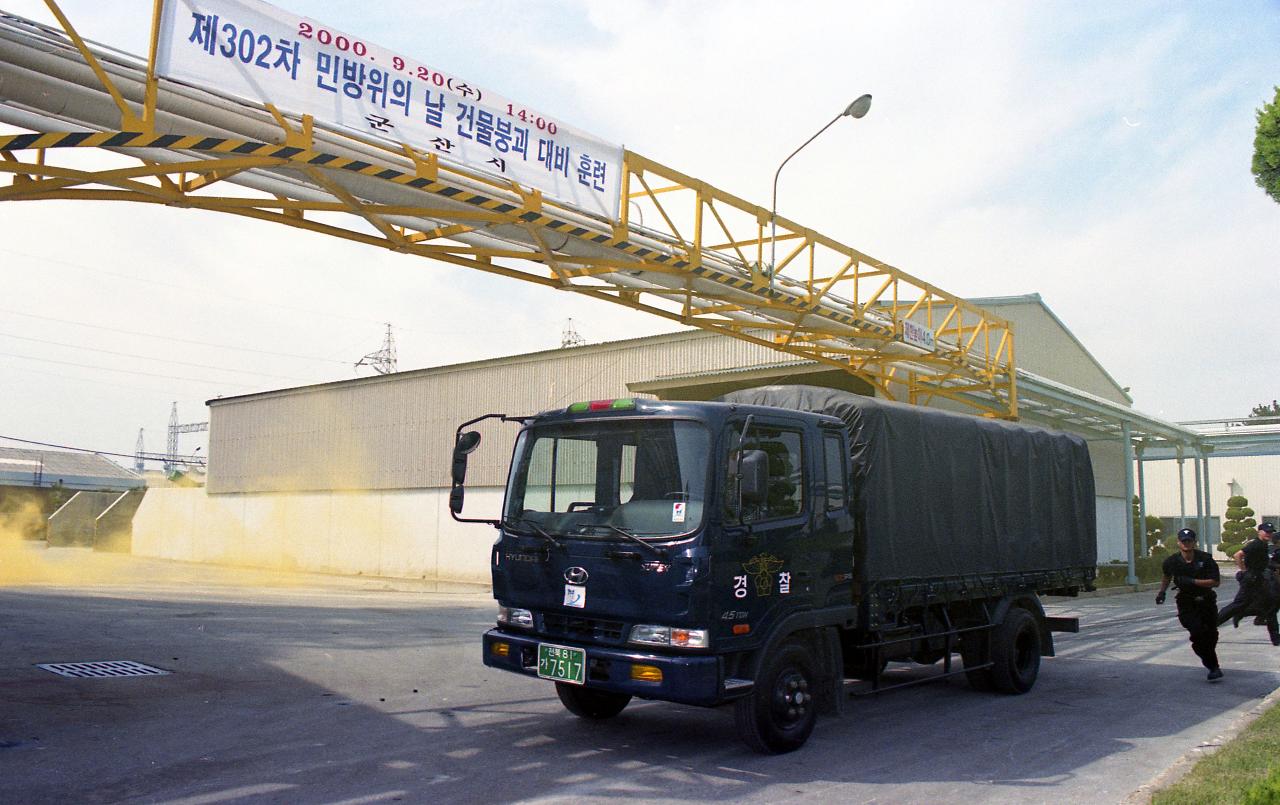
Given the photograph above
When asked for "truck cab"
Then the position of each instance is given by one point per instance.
(643, 545)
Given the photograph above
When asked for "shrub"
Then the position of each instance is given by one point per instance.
(1114, 574)
(1239, 524)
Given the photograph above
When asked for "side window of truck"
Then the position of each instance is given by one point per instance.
(785, 496)
(833, 461)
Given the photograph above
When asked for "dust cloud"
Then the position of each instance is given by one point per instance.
(19, 561)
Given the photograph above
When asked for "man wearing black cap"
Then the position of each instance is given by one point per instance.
(1257, 594)
(1195, 574)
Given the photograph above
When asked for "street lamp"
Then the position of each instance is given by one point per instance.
(855, 110)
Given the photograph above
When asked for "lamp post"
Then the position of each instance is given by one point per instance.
(855, 110)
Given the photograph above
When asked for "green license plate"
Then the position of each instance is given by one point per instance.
(562, 663)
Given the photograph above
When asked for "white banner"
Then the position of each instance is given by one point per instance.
(257, 51)
(918, 335)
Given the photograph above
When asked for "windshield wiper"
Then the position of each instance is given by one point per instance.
(537, 529)
(661, 553)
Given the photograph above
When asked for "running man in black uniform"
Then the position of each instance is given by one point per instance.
(1195, 574)
(1255, 596)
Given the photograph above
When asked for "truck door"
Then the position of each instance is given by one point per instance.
(833, 520)
(763, 566)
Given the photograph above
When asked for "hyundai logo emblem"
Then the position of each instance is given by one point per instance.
(576, 575)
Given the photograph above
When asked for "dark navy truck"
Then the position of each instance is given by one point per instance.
(763, 550)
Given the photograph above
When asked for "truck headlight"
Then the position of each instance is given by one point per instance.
(649, 635)
(511, 616)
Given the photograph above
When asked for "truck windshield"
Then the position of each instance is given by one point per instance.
(647, 477)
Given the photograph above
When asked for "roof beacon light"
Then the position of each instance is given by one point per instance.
(624, 404)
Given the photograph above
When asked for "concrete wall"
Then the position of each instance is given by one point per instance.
(75, 523)
(113, 528)
(1112, 532)
(398, 534)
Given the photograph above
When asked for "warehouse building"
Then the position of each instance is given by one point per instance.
(352, 476)
(67, 498)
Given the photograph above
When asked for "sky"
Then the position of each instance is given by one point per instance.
(1095, 153)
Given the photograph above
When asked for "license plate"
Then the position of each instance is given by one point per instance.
(562, 663)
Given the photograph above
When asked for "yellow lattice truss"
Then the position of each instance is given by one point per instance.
(682, 249)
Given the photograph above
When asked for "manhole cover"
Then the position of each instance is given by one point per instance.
(101, 669)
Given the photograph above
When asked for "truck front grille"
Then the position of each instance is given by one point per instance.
(580, 628)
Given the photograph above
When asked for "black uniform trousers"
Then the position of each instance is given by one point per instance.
(1253, 598)
(1198, 614)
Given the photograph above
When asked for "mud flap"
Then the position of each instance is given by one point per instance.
(830, 693)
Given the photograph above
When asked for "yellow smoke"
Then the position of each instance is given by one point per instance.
(19, 560)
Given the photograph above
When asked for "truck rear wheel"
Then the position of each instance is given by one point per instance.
(1015, 652)
(780, 712)
(588, 703)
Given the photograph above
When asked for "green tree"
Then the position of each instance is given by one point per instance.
(1266, 148)
(1262, 409)
(1238, 526)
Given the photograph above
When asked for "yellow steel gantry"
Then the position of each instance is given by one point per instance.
(682, 249)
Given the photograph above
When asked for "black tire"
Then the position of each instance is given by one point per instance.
(589, 703)
(1015, 652)
(780, 712)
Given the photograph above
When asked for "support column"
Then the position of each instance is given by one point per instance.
(1208, 507)
(1142, 502)
(1203, 538)
(1182, 494)
(1132, 580)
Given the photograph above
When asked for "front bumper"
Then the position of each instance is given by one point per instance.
(689, 679)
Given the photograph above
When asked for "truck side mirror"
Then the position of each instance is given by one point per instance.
(466, 443)
(754, 471)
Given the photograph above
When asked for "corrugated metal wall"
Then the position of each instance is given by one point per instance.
(396, 432)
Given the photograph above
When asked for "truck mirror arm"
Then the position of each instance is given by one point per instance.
(464, 444)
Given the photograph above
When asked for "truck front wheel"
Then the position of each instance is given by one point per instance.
(588, 703)
(780, 712)
(1015, 652)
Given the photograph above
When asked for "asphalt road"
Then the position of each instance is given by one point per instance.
(313, 689)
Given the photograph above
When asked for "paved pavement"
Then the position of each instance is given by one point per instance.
(321, 689)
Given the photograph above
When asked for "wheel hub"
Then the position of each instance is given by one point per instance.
(791, 697)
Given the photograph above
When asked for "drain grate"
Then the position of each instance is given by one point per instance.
(101, 669)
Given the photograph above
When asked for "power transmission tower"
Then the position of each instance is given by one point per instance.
(138, 463)
(171, 453)
(569, 337)
(384, 360)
